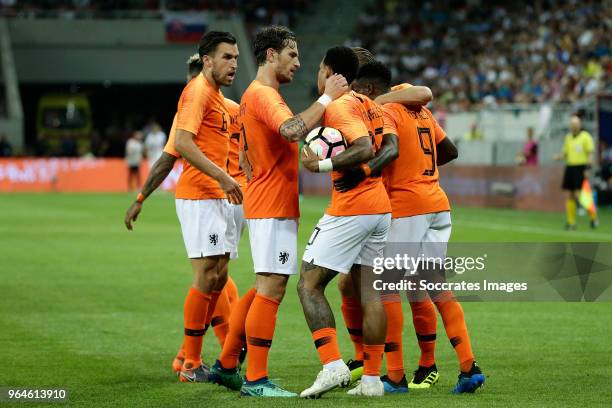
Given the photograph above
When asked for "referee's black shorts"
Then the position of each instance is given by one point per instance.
(573, 177)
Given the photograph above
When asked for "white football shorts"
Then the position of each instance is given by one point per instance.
(274, 244)
(240, 223)
(208, 227)
(337, 243)
(420, 235)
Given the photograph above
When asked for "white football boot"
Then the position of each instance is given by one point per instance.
(327, 380)
(369, 389)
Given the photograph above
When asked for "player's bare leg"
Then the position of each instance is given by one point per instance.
(374, 331)
(320, 319)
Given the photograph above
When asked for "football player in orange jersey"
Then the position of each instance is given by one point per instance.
(351, 307)
(269, 132)
(421, 215)
(349, 236)
(159, 171)
(203, 191)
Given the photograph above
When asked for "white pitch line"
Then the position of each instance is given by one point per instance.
(535, 230)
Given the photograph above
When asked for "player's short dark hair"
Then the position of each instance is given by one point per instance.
(276, 37)
(195, 64)
(364, 56)
(342, 60)
(375, 72)
(210, 41)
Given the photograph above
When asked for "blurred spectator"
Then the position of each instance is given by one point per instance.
(154, 143)
(476, 54)
(473, 134)
(134, 149)
(529, 155)
(6, 150)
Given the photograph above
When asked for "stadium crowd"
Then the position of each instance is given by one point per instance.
(507, 52)
(257, 12)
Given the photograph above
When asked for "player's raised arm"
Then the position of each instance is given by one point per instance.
(407, 95)
(297, 127)
(158, 173)
(185, 145)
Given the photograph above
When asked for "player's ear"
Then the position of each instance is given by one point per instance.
(206, 61)
(270, 54)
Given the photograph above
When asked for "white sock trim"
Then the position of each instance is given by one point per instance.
(370, 379)
(334, 365)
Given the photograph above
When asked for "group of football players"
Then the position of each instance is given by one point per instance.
(240, 167)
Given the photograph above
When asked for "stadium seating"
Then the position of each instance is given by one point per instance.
(473, 55)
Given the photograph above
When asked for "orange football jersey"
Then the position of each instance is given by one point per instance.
(356, 116)
(169, 147)
(273, 190)
(233, 167)
(201, 111)
(412, 179)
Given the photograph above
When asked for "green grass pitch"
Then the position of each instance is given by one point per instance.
(88, 306)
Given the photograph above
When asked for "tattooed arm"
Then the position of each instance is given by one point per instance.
(158, 173)
(297, 127)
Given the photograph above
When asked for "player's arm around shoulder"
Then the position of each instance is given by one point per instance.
(297, 127)
(407, 95)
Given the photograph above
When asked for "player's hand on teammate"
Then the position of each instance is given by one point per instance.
(349, 180)
(231, 189)
(309, 159)
(336, 86)
(132, 214)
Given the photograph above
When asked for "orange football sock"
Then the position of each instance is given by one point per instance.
(232, 291)
(353, 318)
(372, 359)
(326, 342)
(425, 320)
(393, 340)
(235, 339)
(194, 314)
(456, 330)
(214, 298)
(259, 327)
(220, 317)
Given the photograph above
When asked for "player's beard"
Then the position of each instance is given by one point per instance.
(222, 80)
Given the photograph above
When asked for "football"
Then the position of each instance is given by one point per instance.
(326, 142)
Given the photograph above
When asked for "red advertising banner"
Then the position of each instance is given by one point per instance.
(71, 175)
(520, 187)
(528, 188)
